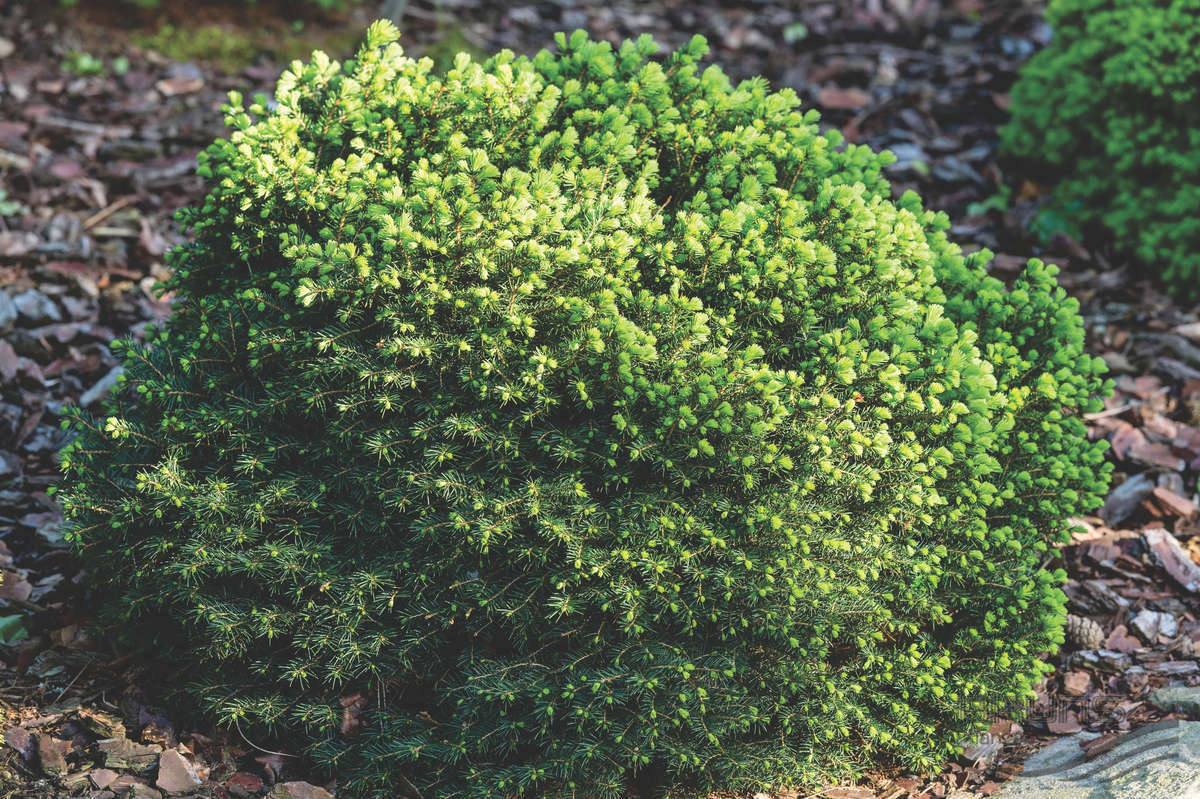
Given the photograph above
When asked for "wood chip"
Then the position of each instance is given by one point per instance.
(1125, 498)
(847, 793)
(843, 99)
(1119, 640)
(1172, 503)
(1153, 453)
(1064, 724)
(1172, 557)
(1098, 746)
(1076, 683)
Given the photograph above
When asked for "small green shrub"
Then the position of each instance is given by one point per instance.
(590, 419)
(1111, 108)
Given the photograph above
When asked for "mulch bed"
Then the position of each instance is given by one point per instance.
(93, 167)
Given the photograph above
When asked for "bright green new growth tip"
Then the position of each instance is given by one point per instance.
(596, 421)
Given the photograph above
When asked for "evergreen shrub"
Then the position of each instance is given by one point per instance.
(1110, 112)
(564, 424)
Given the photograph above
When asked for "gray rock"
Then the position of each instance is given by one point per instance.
(1182, 697)
(1155, 762)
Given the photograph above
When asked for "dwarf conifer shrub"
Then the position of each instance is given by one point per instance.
(557, 425)
(1110, 111)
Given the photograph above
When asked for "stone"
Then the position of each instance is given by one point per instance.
(1183, 698)
(1154, 762)
(299, 790)
(176, 774)
(1150, 624)
(122, 753)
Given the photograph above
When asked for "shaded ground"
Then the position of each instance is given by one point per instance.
(97, 142)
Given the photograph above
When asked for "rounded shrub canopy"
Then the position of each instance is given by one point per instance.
(559, 424)
(1112, 109)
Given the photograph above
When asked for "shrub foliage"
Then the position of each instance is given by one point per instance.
(1111, 108)
(592, 420)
